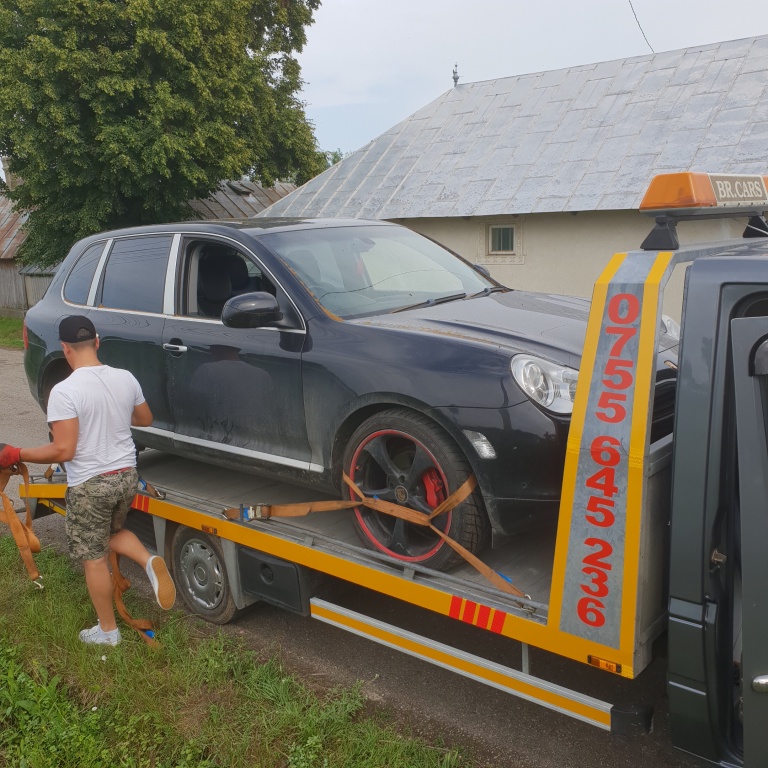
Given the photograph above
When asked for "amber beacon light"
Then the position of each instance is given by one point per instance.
(705, 193)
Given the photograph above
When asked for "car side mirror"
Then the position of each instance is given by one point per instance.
(251, 310)
(482, 270)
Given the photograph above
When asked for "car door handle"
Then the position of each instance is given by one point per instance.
(760, 684)
(174, 347)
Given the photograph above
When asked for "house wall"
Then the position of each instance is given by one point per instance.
(562, 252)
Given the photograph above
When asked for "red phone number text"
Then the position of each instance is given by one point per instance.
(617, 377)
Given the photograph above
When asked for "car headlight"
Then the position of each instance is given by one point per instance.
(549, 385)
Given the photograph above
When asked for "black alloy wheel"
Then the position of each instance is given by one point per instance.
(401, 456)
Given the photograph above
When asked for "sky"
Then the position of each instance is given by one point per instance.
(368, 64)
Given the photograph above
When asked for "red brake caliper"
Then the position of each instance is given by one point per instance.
(433, 486)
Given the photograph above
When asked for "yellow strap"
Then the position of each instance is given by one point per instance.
(23, 535)
(119, 585)
(265, 511)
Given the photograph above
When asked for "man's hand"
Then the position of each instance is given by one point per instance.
(9, 455)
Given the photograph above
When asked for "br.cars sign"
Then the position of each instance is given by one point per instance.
(739, 190)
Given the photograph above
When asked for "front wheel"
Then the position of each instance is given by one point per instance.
(201, 576)
(401, 456)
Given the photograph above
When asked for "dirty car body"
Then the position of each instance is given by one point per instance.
(310, 348)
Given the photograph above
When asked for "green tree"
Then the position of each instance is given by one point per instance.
(333, 157)
(118, 112)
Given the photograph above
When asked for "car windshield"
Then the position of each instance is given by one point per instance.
(359, 271)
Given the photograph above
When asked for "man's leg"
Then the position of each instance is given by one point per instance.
(99, 583)
(124, 542)
(87, 526)
(127, 543)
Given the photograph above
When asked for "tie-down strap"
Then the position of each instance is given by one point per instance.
(23, 535)
(144, 627)
(301, 509)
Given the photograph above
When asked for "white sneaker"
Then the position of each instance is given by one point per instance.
(162, 583)
(97, 636)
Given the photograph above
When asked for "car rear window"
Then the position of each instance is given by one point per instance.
(80, 278)
(135, 274)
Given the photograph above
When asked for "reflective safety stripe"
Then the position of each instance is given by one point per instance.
(476, 614)
(520, 684)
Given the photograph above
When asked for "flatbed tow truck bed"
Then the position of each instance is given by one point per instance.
(525, 560)
(300, 553)
(594, 588)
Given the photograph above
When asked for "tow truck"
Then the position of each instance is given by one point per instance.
(652, 537)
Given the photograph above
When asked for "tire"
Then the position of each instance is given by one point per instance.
(201, 576)
(401, 456)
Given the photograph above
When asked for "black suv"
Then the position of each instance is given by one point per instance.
(309, 348)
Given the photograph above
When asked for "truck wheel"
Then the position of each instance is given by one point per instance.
(201, 576)
(401, 456)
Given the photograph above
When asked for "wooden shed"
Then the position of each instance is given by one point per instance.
(13, 299)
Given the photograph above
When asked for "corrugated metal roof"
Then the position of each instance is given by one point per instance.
(586, 138)
(239, 199)
(11, 236)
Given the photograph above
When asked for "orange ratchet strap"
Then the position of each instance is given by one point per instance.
(266, 511)
(23, 535)
(144, 627)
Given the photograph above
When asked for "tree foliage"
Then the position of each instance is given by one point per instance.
(333, 156)
(118, 112)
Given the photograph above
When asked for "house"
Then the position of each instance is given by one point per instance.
(539, 176)
(21, 289)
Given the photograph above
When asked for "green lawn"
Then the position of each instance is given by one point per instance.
(11, 333)
(201, 700)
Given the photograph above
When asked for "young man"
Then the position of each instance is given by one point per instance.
(90, 415)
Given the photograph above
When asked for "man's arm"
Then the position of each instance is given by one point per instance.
(62, 447)
(142, 415)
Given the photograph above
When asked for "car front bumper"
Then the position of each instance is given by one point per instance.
(524, 481)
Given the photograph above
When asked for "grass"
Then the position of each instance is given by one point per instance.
(11, 333)
(202, 700)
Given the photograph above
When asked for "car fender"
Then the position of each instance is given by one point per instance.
(362, 407)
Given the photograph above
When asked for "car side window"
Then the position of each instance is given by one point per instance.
(135, 274)
(215, 272)
(79, 280)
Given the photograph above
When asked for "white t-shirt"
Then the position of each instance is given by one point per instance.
(102, 399)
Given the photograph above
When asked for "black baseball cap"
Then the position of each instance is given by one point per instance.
(76, 328)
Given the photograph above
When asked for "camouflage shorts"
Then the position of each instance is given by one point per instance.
(96, 509)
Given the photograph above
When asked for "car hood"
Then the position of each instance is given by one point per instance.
(550, 324)
(516, 320)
